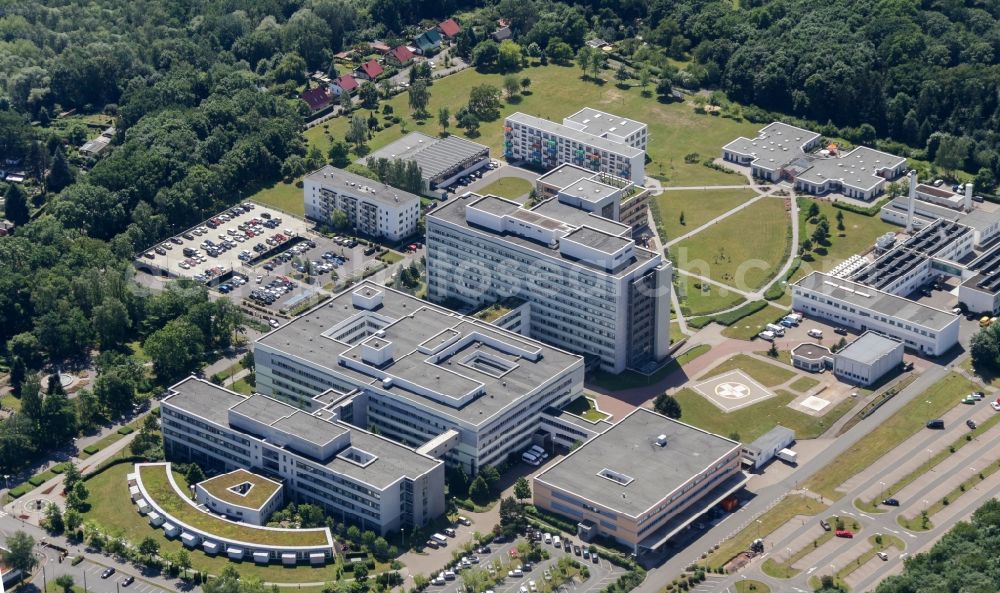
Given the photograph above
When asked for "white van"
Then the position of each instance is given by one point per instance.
(815, 333)
(557, 541)
(440, 539)
(775, 329)
(529, 458)
(766, 335)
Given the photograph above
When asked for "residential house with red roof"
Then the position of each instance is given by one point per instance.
(449, 28)
(400, 56)
(370, 70)
(316, 98)
(342, 84)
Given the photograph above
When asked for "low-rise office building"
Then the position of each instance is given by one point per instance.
(359, 477)
(782, 152)
(441, 160)
(242, 495)
(591, 289)
(642, 481)
(423, 375)
(766, 446)
(548, 144)
(868, 358)
(372, 208)
(922, 328)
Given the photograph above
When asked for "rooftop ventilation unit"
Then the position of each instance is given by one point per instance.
(661, 440)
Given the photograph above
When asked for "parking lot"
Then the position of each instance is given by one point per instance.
(223, 243)
(602, 572)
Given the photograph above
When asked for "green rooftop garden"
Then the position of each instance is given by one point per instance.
(157, 484)
(260, 491)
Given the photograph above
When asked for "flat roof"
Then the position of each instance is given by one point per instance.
(601, 241)
(224, 487)
(811, 351)
(553, 208)
(589, 190)
(204, 399)
(393, 460)
(858, 168)
(987, 268)
(565, 174)
(647, 473)
(601, 123)
(887, 304)
(774, 145)
(869, 348)
(434, 156)
(923, 208)
(586, 138)
(771, 438)
(467, 391)
(356, 185)
(453, 212)
(980, 219)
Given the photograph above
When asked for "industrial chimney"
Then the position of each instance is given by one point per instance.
(968, 196)
(911, 203)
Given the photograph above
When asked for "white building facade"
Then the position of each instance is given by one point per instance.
(371, 207)
(591, 289)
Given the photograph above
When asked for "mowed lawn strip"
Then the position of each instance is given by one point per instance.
(941, 397)
(790, 507)
(751, 325)
(744, 250)
(111, 509)
(698, 206)
(765, 373)
(154, 479)
(873, 504)
(754, 420)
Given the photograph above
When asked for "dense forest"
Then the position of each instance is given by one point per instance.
(966, 559)
(203, 98)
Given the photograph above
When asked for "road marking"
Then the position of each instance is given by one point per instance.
(810, 571)
(864, 515)
(891, 530)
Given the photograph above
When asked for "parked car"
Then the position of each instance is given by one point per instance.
(890, 502)
(431, 544)
(824, 524)
(815, 333)
(840, 331)
(128, 581)
(449, 531)
(107, 572)
(995, 405)
(936, 424)
(882, 555)
(971, 423)
(464, 521)
(844, 533)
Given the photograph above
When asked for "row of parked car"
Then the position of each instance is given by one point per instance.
(272, 291)
(534, 456)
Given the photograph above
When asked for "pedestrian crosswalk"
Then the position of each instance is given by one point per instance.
(3, 514)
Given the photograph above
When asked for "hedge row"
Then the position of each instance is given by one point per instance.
(869, 211)
(126, 430)
(20, 490)
(777, 290)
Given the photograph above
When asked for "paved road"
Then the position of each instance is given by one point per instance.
(766, 496)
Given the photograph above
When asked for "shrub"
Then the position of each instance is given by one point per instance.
(126, 430)
(36, 480)
(735, 315)
(90, 450)
(19, 490)
(76, 560)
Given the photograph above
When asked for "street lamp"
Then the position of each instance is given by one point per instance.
(883, 491)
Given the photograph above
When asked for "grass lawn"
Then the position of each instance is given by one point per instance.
(790, 507)
(752, 421)
(585, 408)
(111, 439)
(283, 196)
(744, 250)
(923, 468)
(154, 479)
(859, 232)
(9, 402)
(751, 586)
(701, 298)
(116, 515)
(511, 188)
(803, 384)
(675, 130)
(242, 386)
(698, 206)
(941, 397)
(751, 325)
(764, 373)
(137, 351)
(631, 379)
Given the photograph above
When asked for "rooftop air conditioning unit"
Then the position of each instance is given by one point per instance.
(661, 440)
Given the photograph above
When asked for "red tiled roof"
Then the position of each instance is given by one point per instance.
(346, 82)
(449, 27)
(317, 98)
(372, 69)
(402, 54)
